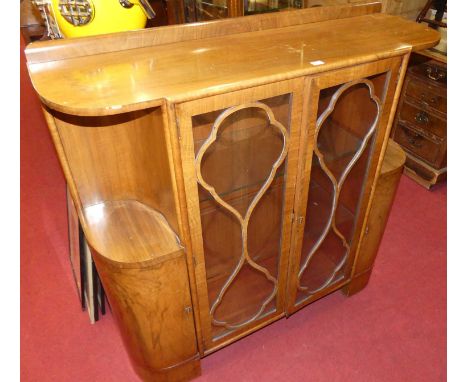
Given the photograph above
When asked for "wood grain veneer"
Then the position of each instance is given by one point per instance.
(121, 157)
(144, 77)
(152, 307)
(128, 231)
(86, 46)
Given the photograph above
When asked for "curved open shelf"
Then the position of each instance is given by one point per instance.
(128, 231)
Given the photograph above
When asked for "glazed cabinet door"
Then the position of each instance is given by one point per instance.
(239, 157)
(343, 136)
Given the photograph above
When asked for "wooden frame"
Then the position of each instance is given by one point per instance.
(184, 113)
(309, 136)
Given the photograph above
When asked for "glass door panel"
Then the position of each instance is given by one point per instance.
(348, 116)
(240, 159)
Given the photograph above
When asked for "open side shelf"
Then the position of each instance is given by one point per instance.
(128, 231)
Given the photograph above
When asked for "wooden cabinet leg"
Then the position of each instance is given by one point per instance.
(152, 306)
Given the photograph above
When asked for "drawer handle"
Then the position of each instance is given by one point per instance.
(435, 74)
(422, 118)
(424, 99)
(413, 138)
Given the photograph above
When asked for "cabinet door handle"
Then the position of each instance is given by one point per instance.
(422, 118)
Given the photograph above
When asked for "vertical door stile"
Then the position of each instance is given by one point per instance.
(292, 179)
(194, 224)
(307, 131)
(173, 133)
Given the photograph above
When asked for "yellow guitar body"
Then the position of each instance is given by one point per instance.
(93, 17)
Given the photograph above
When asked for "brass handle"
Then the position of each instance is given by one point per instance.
(424, 99)
(435, 74)
(422, 118)
(413, 138)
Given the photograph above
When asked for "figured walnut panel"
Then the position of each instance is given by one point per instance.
(152, 307)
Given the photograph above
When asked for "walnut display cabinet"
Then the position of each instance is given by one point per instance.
(223, 172)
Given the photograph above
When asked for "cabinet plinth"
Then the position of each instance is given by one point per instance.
(224, 173)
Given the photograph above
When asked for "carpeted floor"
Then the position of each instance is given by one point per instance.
(394, 330)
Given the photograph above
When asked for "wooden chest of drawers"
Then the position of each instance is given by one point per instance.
(421, 122)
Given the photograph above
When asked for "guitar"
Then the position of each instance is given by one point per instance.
(76, 18)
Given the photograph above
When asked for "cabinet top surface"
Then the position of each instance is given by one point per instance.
(126, 80)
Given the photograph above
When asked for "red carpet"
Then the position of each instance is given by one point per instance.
(394, 330)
